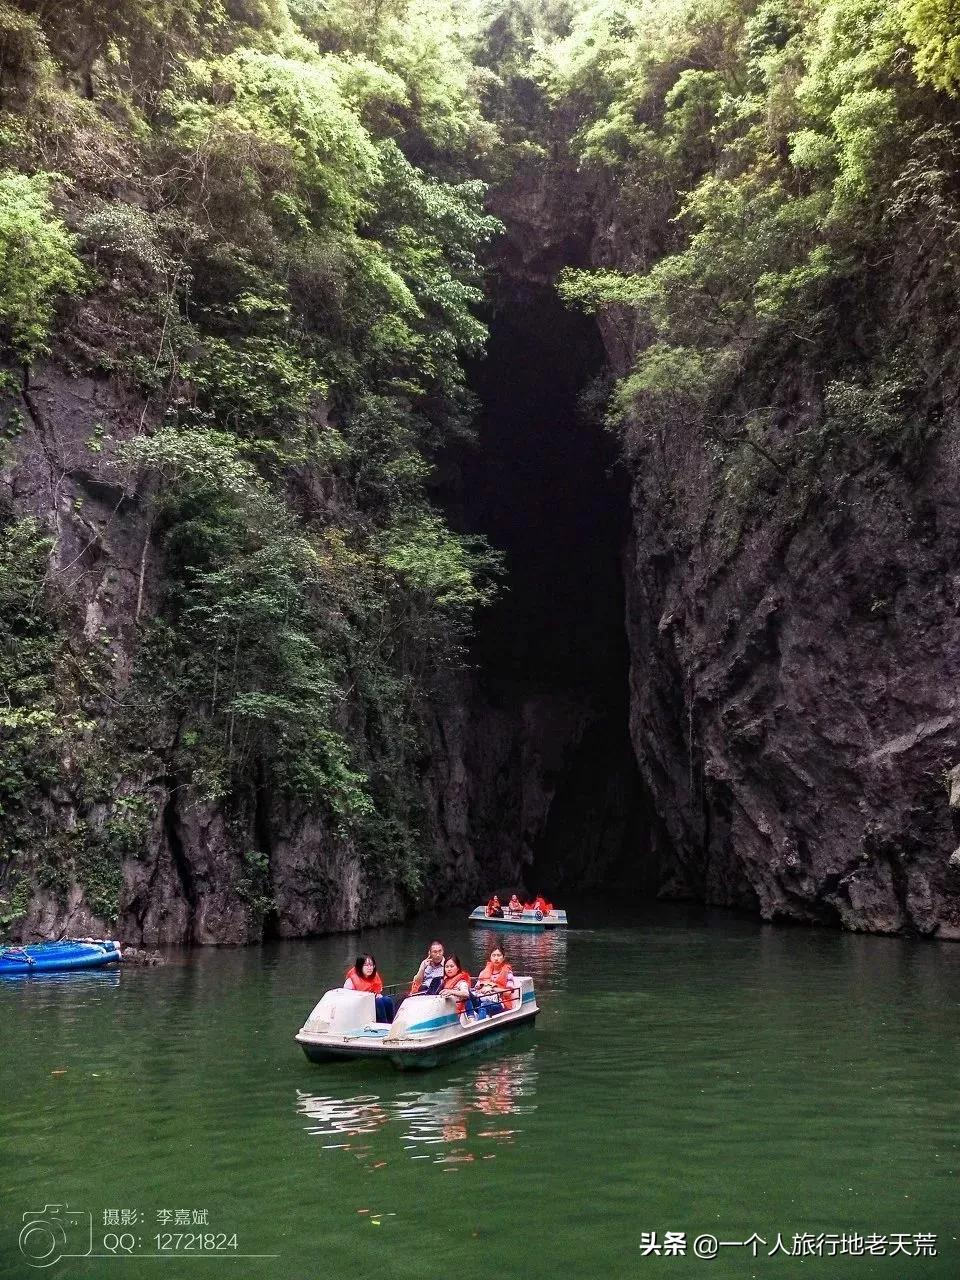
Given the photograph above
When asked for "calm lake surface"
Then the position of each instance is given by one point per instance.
(688, 1073)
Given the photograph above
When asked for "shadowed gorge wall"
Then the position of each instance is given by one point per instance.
(543, 484)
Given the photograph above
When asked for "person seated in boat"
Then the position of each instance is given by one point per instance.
(540, 904)
(364, 977)
(429, 977)
(494, 908)
(456, 986)
(494, 986)
(515, 906)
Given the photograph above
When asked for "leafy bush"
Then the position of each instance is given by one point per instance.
(38, 262)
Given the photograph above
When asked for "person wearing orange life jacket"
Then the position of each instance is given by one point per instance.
(494, 908)
(515, 905)
(496, 980)
(456, 984)
(364, 977)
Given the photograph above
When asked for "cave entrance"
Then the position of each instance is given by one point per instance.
(544, 485)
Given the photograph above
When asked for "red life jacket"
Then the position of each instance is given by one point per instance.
(499, 978)
(359, 983)
(450, 983)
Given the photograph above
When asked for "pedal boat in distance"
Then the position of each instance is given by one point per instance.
(59, 957)
(427, 1031)
(527, 921)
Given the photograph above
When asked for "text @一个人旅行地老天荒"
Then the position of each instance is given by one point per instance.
(851, 1244)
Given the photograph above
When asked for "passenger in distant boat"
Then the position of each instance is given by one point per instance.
(456, 985)
(364, 977)
(494, 908)
(542, 905)
(495, 984)
(515, 905)
(429, 977)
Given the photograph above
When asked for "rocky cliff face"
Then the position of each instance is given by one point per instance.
(794, 699)
(186, 880)
(489, 774)
(794, 707)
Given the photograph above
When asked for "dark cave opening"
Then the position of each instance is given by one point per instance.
(543, 483)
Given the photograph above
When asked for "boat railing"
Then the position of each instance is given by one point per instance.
(398, 991)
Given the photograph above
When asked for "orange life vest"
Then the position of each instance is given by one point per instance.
(450, 983)
(499, 978)
(359, 983)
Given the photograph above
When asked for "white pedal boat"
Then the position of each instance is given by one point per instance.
(426, 1032)
(529, 921)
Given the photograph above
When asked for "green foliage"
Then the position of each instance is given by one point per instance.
(255, 386)
(126, 828)
(98, 868)
(38, 264)
(437, 564)
(245, 615)
(15, 899)
(262, 114)
(780, 170)
(933, 27)
(253, 886)
(127, 242)
(592, 290)
(30, 643)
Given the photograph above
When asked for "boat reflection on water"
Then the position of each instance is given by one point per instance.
(541, 955)
(471, 1110)
(74, 979)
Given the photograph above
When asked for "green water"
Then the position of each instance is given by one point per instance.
(686, 1074)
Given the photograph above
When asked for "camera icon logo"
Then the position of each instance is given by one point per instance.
(56, 1232)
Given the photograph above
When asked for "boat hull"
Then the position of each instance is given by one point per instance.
(58, 958)
(527, 922)
(422, 1059)
(442, 1054)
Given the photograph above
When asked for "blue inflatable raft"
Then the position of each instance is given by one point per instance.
(56, 957)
